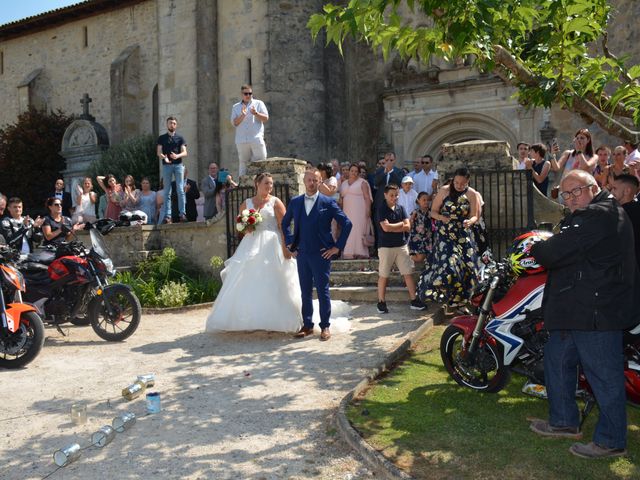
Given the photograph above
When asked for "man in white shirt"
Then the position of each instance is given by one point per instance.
(523, 155)
(427, 180)
(633, 156)
(417, 168)
(249, 116)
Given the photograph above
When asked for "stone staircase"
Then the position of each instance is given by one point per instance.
(357, 280)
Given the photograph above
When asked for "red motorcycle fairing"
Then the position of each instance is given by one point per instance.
(14, 312)
(61, 267)
(467, 323)
(524, 289)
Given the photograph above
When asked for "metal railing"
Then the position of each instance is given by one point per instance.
(233, 200)
(508, 205)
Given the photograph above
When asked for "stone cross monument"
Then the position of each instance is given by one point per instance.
(83, 142)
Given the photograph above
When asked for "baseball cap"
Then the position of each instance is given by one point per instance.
(406, 179)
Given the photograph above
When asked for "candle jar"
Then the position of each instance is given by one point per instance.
(78, 413)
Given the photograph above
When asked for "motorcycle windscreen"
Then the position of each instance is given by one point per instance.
(98, 244)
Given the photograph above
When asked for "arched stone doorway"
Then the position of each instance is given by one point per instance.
(457, 128)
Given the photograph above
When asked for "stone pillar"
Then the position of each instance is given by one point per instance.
(289, 171)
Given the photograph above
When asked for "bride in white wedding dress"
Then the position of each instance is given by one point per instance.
(260, 287)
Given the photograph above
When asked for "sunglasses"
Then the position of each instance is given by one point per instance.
(56, 204)
(247, 93)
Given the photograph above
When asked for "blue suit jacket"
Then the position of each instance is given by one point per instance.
(318, 232)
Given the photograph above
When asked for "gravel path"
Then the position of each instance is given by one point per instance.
(243, 405)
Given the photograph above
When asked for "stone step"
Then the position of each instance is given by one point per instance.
(368, 294)
(352, 279)
(354, 265)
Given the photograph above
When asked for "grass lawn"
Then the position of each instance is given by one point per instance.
(429, 426)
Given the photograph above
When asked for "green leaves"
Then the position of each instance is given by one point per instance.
(555, 41)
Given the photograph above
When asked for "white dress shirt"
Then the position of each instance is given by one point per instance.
(309, 202)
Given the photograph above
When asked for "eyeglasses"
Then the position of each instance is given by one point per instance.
(247, 93)
(576, 192)
(56, 204)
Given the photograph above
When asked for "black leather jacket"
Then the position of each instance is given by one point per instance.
(13, 231)
(592, 270)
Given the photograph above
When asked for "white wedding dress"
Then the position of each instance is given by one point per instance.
(260, 288)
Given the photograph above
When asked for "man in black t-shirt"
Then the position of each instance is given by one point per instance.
(393, 227)
(171, 149)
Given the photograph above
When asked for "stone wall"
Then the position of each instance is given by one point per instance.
(70, 69)
(195, 241)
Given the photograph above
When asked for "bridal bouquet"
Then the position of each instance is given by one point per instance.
(247, 221)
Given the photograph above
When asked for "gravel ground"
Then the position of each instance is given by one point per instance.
(252, 405)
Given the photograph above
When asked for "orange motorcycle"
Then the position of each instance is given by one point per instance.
(21, 329)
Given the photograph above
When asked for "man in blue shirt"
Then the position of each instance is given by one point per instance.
(249, 116)
(171, 149)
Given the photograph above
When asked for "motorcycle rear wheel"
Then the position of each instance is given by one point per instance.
(126, 314)
(28, 340)
(485, 373)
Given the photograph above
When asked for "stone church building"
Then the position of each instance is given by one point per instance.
(143, 60)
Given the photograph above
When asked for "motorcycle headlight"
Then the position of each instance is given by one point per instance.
(109, 266)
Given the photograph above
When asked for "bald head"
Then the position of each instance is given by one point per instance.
(578, 188)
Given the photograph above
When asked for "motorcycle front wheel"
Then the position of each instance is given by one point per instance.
(24, 345)
(122, 320)
(484, 372)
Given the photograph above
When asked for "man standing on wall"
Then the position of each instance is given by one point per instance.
(249, 116)
(172, 148)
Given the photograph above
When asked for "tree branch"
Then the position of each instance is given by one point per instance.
(581, 105)
(626, 78)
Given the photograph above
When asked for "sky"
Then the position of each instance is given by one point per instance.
(18, 9)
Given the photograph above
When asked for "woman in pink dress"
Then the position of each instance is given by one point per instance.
(356, 204)
(113, 191)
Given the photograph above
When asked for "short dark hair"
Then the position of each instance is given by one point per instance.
(171, 118)
(628, 179)
(14, 200)
(605, 148)
(428, 156)
(522, 143)
(539, 148)
(391, 186)
(246, 85)
(420, 195)
(631, 142)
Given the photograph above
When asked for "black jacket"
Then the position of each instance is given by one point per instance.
(592, 270)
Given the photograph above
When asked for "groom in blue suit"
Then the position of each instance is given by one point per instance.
(312, 244)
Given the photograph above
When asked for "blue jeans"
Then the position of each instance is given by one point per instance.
(176, 171)
(602, 360)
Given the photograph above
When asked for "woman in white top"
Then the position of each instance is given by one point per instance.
(581, 157)
(86, 200)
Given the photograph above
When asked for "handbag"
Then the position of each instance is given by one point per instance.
(369, 238)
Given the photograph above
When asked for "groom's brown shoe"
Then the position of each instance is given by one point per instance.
(325, 334)
(303, 332)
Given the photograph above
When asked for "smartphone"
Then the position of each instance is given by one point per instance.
(222, 176)
(554, 142)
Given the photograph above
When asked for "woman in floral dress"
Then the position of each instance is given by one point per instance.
(452, 272)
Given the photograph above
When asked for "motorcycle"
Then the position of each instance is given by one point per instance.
(72, 284)
(22, 330)
(507, 333)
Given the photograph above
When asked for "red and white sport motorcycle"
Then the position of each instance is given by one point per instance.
(507, 334)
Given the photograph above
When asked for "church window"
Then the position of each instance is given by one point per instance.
(85, 36)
